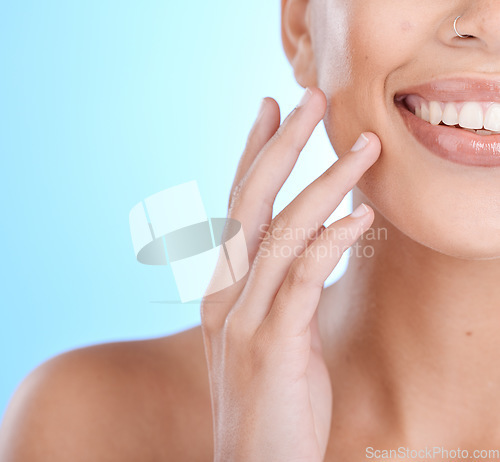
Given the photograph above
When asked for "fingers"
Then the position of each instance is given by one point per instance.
(264, 127)
(297, 299)
(289, 232)
(254, 195)
(269, 146)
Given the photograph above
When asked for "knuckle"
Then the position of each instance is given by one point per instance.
(266, 349)
(210, 318)
(235, 327)
(260, 351)
(285, 132)
(280, 134)
(279, 307)
(257, 355)
(286, 136)
(280, 226)
(298, 274)
(293, 133)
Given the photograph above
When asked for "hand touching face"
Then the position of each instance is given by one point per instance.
(361, 54)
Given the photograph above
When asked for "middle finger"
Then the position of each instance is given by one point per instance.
(291, 229)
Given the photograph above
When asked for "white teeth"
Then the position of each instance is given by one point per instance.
(425, 112)
(492, 118)
(450, 114)
(471, 116)
(435, 112)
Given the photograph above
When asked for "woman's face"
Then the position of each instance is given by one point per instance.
(366, 52)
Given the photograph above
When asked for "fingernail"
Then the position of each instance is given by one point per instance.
(360, 211)
(305, 98)
(361, 143)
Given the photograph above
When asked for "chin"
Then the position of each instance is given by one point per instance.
(441, 226)
(447, 200)
(461, 244)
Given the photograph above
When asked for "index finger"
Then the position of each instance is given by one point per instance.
(252, 204)
(259, 187)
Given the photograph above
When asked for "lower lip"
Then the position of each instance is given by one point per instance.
(453, 144)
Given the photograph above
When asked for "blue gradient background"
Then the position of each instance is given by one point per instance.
(103, 103)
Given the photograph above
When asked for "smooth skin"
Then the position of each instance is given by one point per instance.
(402, 351)
(271, 388)
(271, 393)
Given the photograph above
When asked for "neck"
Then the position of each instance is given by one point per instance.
(421, 330)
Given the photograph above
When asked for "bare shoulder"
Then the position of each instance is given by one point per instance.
(139, 400)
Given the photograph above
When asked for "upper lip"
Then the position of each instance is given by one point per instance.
(455, 89)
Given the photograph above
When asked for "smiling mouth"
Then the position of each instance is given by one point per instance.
(479, 117)
(457, 120)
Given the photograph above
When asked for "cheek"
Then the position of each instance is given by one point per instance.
(369, 51)
(361, 45)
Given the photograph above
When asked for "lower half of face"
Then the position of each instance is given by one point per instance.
(367, 53)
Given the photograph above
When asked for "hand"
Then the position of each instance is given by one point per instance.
(270, 387)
